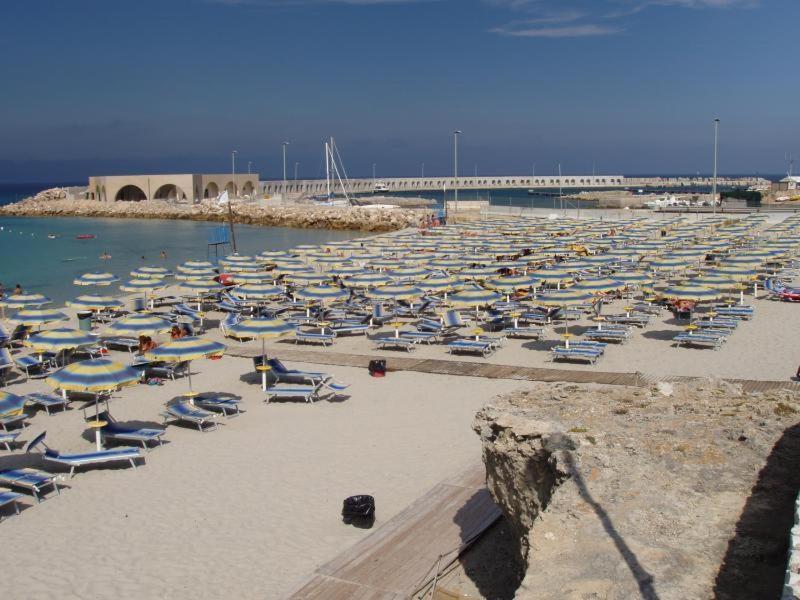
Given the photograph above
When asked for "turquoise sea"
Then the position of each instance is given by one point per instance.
(48, 266)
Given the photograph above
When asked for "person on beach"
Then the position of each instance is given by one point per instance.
(2, 291)
(17, 290)
(176, 333)
(146, 344)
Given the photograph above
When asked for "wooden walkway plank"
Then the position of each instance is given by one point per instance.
(394, 560)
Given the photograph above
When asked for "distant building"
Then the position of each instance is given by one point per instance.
(787, 183)
(177, 188)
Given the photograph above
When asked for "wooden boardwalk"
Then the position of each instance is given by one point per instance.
(494, 371)
(400, 557)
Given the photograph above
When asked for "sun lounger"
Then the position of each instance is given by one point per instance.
(8, 438)
(82, 459)
(33, 366)
(7, 498)
(47, 401)
(171, 370)
(120, 432)
(13, 412)
(284, 375)
(427, 337)
(18, 336)
(717, 324)
(632, 319)
(739, 312)
(225, 404)
(609, 335)
(309, 393)
(344, 328)
(310, 337)
(391, 341)
(122, 343)
(6, 365)
(380, 315)
(32, 480)
(183, 411)
(484, 348)
(699, 339)
(524, 332)
(576, 353)
(229, 321)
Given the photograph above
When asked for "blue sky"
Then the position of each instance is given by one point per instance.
(630, 86)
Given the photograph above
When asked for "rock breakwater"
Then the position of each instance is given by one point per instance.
(54, 203)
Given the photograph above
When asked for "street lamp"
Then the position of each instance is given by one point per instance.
(373, 174)
(249, 164)
(456, 133)
(423, 171)
(714, 181)
(296, 164)
(284, 162)
(233, 172)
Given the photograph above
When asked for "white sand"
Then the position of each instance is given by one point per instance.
(248, 510)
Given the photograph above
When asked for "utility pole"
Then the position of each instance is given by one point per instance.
(714, 181)
(560, 197)
(456, 133)
(230, 198)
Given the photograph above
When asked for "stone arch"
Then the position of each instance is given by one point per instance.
(169, 191)
(248, 188)
(130, 193)
(231, 188)
(211, 191)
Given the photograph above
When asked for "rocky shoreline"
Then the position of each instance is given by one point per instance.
(55, 203)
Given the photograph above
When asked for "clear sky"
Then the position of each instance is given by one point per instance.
(630, 86)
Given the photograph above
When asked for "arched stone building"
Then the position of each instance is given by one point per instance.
(171, 188)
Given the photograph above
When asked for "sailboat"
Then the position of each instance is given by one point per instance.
(335, 174)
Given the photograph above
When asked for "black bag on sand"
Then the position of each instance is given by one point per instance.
(377, 368)
(359, 510)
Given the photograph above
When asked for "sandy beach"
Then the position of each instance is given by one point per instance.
(249, 509)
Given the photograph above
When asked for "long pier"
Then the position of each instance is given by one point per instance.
(313, 187)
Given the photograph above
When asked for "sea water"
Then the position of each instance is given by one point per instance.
(48, 266)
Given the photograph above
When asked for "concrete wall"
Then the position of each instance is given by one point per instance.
(313, 187)
(176, 187)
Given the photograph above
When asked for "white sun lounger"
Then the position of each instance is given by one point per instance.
(98, 457)
(32, 480)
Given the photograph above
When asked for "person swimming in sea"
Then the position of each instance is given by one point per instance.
(105, 256)
(163, 255)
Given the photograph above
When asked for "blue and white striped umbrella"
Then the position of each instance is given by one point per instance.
(142, 286)
(475, 297)
(61, 338)
(151, 272)
(38, 316)
(23, 300)
(11, 405)
(95, 375)
(321, 293)
(96, 279)
(369, 279)
(95, 302)
(138, 324)
(258, 291)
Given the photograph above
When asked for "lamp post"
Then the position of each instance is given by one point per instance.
(284, 162)
(230, 199)
(296, 164)
(249, 164)
(456, 133)
(373, 174)
(422, 173)
(714, 180)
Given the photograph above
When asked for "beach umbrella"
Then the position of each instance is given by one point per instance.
(138, 324)
(94, 375)
(262, 329)
(95, 302)
(690, 292)
(195, 264)
(11, 405)
(369, 279)
(143, 286)
(198, 287)
(347, 270)
(478, 272)
(599, 285)
(96, 279)
(439, 284)
(186, 350)
(59, 339)
(564, 299)
(251, 277)
(516, 282)
(308, 278)
(555, 275)
(151, 272)
(476, 297)
(258, 291)
(714, 281)
(23, 300)
(408, 273)
(321, 293)
(38, 316)
(395, 292)
(198, 273)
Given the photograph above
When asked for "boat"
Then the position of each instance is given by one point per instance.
(52, 236)
(85, 236)
(380, 187)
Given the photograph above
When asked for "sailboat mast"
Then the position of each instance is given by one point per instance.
(327, 170)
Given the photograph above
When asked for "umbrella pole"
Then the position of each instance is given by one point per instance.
(189, 376)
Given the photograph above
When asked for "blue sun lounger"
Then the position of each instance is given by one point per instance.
(739, 312)
(314, 338)
(608, 335)
(8, 438)
(402, 343)
(32, 480)
(183, 411)
(309, 393)
(225, 404)
(286, 375)
(576, 353)
(47, 401)
(82, 459)
(7, 498)
(118, 432)
(34, 367)
(6, 364)
(699, 339)
(427, 337)
(122, 343)
(524, 332)
(484, 348)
